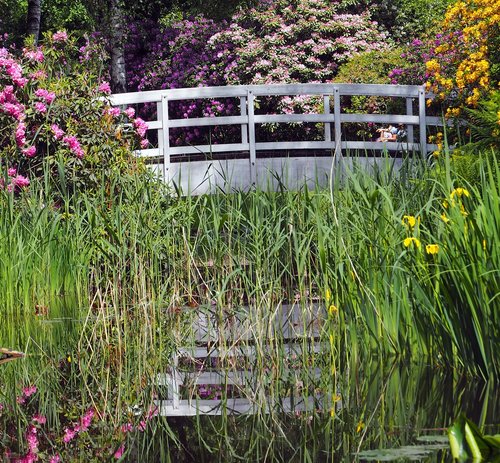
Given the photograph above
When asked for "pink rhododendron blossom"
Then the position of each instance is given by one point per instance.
(12, 172)
(74, 146)
(16, 110)
(105, 88)
(129, 112)
(60, 36)
(29, 152)
(140, 126)
(144, 143)
(39, 74)
(115, 112)
(120, 451)
(21, 134)
(34, 55)
(40, 107)
(57, 131)
(45, 95)
(69, 434)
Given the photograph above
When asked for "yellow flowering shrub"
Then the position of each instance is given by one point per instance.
(466, 61)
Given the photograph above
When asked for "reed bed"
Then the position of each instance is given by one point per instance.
(101, 290)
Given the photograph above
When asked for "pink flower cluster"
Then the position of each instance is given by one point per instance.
(34, 55)
(60, 36)
(74, 146)
(105, 88)
(57, 131)
(30, 390)
(12, 68)
(82, 426)
(45, 95)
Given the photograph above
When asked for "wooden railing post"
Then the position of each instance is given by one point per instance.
(326, 111)
(251, 136)
(337, 122)
(409, 128)
(421, 120)
(243, 112)
(164, 145)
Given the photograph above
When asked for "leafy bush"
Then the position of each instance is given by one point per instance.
(275, 42)
(55, 120)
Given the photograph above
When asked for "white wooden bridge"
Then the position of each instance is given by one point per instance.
(249, 162)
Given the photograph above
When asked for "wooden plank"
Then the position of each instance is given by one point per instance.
(380, 118)
(293, 145)
(292, 118)
(409, 128)
(208, 121)
(207, 149)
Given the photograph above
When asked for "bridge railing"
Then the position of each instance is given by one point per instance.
(243, 167)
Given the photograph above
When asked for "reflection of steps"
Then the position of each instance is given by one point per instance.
(217, 374)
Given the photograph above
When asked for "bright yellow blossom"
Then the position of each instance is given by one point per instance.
(459, 192)
(409, 221)
(432, 249)
(407, 242)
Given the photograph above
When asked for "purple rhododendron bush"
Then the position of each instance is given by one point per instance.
(55, 120)
(276, 42)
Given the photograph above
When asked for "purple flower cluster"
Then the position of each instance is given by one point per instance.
(276, 42)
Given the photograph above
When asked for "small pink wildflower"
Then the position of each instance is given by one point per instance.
(30, 390)
(87, 419)
(32, 439)
(21, 400)
(130, 112)
(105, 88)
(55, 459)
(40, 107)
(12, 172)
(127, 427)
(29, 458)
(144, 143)
(57, 131)
(69, 434)
(119, 453)
(60, 36)
(40, 419)
(29, 152)
(142, 426)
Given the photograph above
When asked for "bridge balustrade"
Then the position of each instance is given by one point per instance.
(249, 162)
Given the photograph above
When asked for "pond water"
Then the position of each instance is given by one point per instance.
(387, 413)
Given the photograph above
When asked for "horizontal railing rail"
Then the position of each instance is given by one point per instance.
(196, 169)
